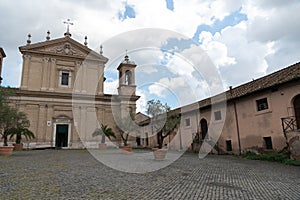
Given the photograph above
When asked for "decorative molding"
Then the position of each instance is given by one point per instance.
(64, 68)
(78, 63)
(27, 57)
(45, 59)
(53, 60)
(66, 49)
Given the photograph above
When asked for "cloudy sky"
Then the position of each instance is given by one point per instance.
(170, 40)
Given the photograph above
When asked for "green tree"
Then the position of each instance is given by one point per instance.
(12, 122)
(20, 128)
(104, 131)
(163, 128)
(125, 125)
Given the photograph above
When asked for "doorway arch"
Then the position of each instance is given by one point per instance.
(203, 127)
(296, 105)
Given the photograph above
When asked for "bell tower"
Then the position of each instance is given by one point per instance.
(127, 77)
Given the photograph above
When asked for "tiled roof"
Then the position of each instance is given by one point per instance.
(288, 74)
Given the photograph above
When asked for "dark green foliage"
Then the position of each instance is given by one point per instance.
(292, 162)
(156, 109)
(104, 131)
(12, 122)
(281, 157)
(125, 125)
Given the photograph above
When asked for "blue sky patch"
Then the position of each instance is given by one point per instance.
(170, 4)
(231, 20)
(128, 13)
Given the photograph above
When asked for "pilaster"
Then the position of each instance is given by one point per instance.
(53, 77)
(45, 73)
(25, 71)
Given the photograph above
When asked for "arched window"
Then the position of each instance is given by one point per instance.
(128, 77)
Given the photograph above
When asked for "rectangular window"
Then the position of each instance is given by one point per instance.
(218, 115)
(262, 104)
(187, 122)
(65, 78)
(228, 145)
(268, 142)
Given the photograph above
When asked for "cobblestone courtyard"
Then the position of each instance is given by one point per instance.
(75, 174)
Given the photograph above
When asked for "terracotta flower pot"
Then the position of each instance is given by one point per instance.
(18, 147)
(6, 150)
(126, 149)
(102, 146)
(159, 154)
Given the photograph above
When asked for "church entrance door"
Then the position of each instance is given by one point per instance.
(61, 139)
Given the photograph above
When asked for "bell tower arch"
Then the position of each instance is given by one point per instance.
(127, 77)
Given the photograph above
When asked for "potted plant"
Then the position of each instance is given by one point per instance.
(21, 129)
(163, 127)
(104, 131)
(6, 120)
(19, 133)
(7, 115)
(125, 125)
(15, 124)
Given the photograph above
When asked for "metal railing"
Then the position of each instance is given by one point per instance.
(289, 124)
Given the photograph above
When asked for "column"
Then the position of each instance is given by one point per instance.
(53, 77)
(25, 71)
(49, 128)
(83, 124)
(101, 79)
(84, 78)
(132, 77)
(77, 77)
(77, 123)
(45, 73)
(41, 124)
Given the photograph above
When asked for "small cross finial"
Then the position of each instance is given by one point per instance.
(126, 56)
(48, 35)
(28, 40)
(68, 22)
(85, 41)
(101, 49)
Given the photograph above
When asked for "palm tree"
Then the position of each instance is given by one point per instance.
(104, 131)
(14, 123)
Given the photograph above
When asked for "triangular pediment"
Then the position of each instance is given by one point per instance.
(65, 46)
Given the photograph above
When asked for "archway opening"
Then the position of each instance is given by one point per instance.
(297, 110)
(128, 77)
(204, 128)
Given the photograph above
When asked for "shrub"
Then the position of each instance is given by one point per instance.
(274, 157)
(281, 157)
(292, 162)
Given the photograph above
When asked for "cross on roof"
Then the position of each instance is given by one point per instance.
(68, 22)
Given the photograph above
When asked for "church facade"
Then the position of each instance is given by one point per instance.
(62, 93)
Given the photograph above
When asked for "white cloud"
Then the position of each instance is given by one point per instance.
(146, 69)
(142, 102)
(267, 41)
(217, 51)
(111, 86)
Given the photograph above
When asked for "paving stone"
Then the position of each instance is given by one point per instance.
(75, 174)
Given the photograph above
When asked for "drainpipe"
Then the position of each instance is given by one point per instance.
(237, 123)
